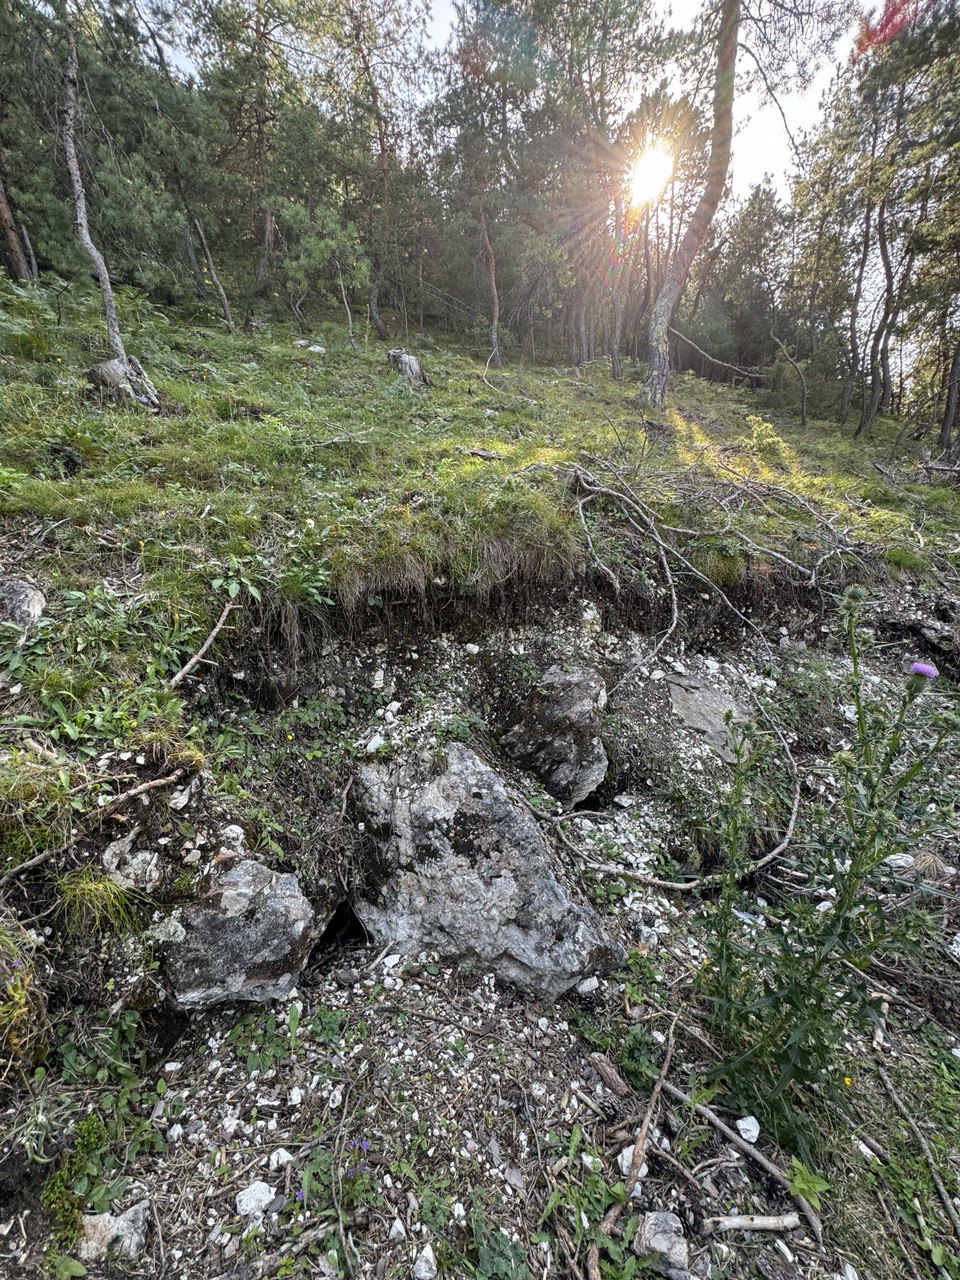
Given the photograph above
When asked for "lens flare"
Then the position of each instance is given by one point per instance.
(650, 174)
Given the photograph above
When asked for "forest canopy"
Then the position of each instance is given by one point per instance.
(551, 183)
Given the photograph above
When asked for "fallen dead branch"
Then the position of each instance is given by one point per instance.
(188, 667)
(91, 821)
(609, 1073)
(612, 1216)
(778, 1176)
(752, 1222)
(924, 1146)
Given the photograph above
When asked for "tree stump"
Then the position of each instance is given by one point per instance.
(119, 380)
(408, 367)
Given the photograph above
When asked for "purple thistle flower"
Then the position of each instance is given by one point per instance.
(926, 669)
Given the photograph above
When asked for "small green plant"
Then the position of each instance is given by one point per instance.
(91, 902)
(23, 1005)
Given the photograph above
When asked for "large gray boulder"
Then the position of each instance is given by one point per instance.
(558, 739)
(20, 602)
(464, 871)
(246, 940)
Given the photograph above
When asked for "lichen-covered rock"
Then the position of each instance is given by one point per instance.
(702, 709)
(559, 736)
(660, 1238)
(246, 940)
(20, 602)
(464, 870)
(126, 1233)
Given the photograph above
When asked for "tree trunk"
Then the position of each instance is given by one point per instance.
(346, 305)
(494, 293)
(214, 278)
(192, 263)
(69, 117)
(794, 364)
(886, 396)
(121, 376)
(950, 408)
(15, 254)
(616, 290)
(34, 271)
(375, 320)
(721, 140)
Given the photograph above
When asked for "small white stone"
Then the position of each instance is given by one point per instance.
(425, 1267)
(254, 1199)
(295, 1096)
(472, 649)
(391, 962)
(374, 744)
(900, 861)
(398, 1231)
(656, 675)
(588, 986)
(749, 1128)
(280, 1157)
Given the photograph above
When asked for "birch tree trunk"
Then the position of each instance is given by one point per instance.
(214, 278)
(69, 132)
(120, 377)
(721, 141)
(494, 293)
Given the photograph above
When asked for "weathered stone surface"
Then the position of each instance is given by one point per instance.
(660, 1237)
(559, 736)
(466, 872)
(20, 602)
(126, 1233)
(247, 939)
(130, 866)
(702, 708)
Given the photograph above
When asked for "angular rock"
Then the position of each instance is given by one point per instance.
(247, 939)
(130, 867)
(559, 736)
(660, 1237)
(20, 602)
(254, 1199)
(702, 709)
(465, 871)
(126, 1233)
(425, 1267)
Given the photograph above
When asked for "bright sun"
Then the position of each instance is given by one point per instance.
(650, 175)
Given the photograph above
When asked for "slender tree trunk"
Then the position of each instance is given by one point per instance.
(949, 419)
(15, 254)
(721, 141)
(69, 132)
(214, 278)
(616, 289)
(34, 271)
(795, 366)
(192, 263)
(346, 305)
(375, 318)
(886, 395)
(854, 365)
(494, 292)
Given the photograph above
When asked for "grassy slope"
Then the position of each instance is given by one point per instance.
(310, 484)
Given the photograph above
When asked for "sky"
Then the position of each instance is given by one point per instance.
(761, 145)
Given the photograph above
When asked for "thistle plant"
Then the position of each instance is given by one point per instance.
(783, 988)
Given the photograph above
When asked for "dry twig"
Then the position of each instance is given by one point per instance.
(188, 667)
